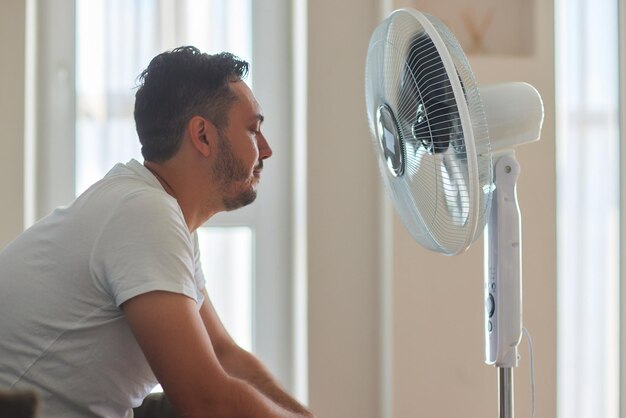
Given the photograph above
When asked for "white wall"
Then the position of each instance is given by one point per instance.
(342, 214)
(12, 76)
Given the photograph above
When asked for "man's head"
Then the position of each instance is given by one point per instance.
(178, 85)
(200, 129)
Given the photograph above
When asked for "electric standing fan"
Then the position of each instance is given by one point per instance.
(447, 161)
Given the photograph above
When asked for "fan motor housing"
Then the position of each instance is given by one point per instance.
(390, 140)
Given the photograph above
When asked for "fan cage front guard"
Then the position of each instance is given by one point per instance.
(415, 193)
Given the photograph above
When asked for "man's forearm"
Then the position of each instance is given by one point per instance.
(243, 365)
(236, 398)
(195, 382)
(250, 400)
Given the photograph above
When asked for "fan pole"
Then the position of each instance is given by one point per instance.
(505, 399)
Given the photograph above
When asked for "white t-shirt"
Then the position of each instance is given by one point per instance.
(62, 282)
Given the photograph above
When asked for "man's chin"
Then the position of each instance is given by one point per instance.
(243, 199)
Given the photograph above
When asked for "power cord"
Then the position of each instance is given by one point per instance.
(532, 372)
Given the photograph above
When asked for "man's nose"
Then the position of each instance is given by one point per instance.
(265, 151)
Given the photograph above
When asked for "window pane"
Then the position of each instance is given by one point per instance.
(106, 67)
(115, 41)
(588, 209)
(227, 257)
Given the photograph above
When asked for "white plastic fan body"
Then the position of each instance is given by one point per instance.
(446, 157)
(515, 115)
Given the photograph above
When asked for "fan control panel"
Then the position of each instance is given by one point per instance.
(490, 302)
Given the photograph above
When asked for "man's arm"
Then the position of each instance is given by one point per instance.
(239, 363)
(174, 339)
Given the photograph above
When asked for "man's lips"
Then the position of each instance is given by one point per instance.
(258, 169)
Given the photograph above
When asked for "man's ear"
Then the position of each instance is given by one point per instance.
(202, 134)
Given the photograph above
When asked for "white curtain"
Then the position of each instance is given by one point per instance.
(588, 208)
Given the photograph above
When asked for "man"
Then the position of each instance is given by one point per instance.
(102, 299)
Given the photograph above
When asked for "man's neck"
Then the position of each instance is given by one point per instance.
(196, 208)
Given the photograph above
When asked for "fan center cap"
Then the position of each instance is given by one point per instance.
(390, 139)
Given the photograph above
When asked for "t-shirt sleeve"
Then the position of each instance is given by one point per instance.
(145, 246)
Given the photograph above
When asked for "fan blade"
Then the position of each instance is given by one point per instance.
(455, 187)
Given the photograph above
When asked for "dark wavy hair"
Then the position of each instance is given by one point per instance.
(178, 85)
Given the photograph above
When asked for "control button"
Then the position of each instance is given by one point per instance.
(489, 327)
(491, 305)
(492, 286)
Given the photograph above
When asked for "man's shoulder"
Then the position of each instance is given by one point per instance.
(127, 190)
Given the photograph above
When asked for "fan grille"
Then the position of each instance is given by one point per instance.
(444, 190)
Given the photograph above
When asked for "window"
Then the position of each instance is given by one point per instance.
(588, 208)
(227, 253)
(85, 83)
(115, 41)
(111, 50)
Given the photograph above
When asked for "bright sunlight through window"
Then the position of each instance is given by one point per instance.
(588, 208)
